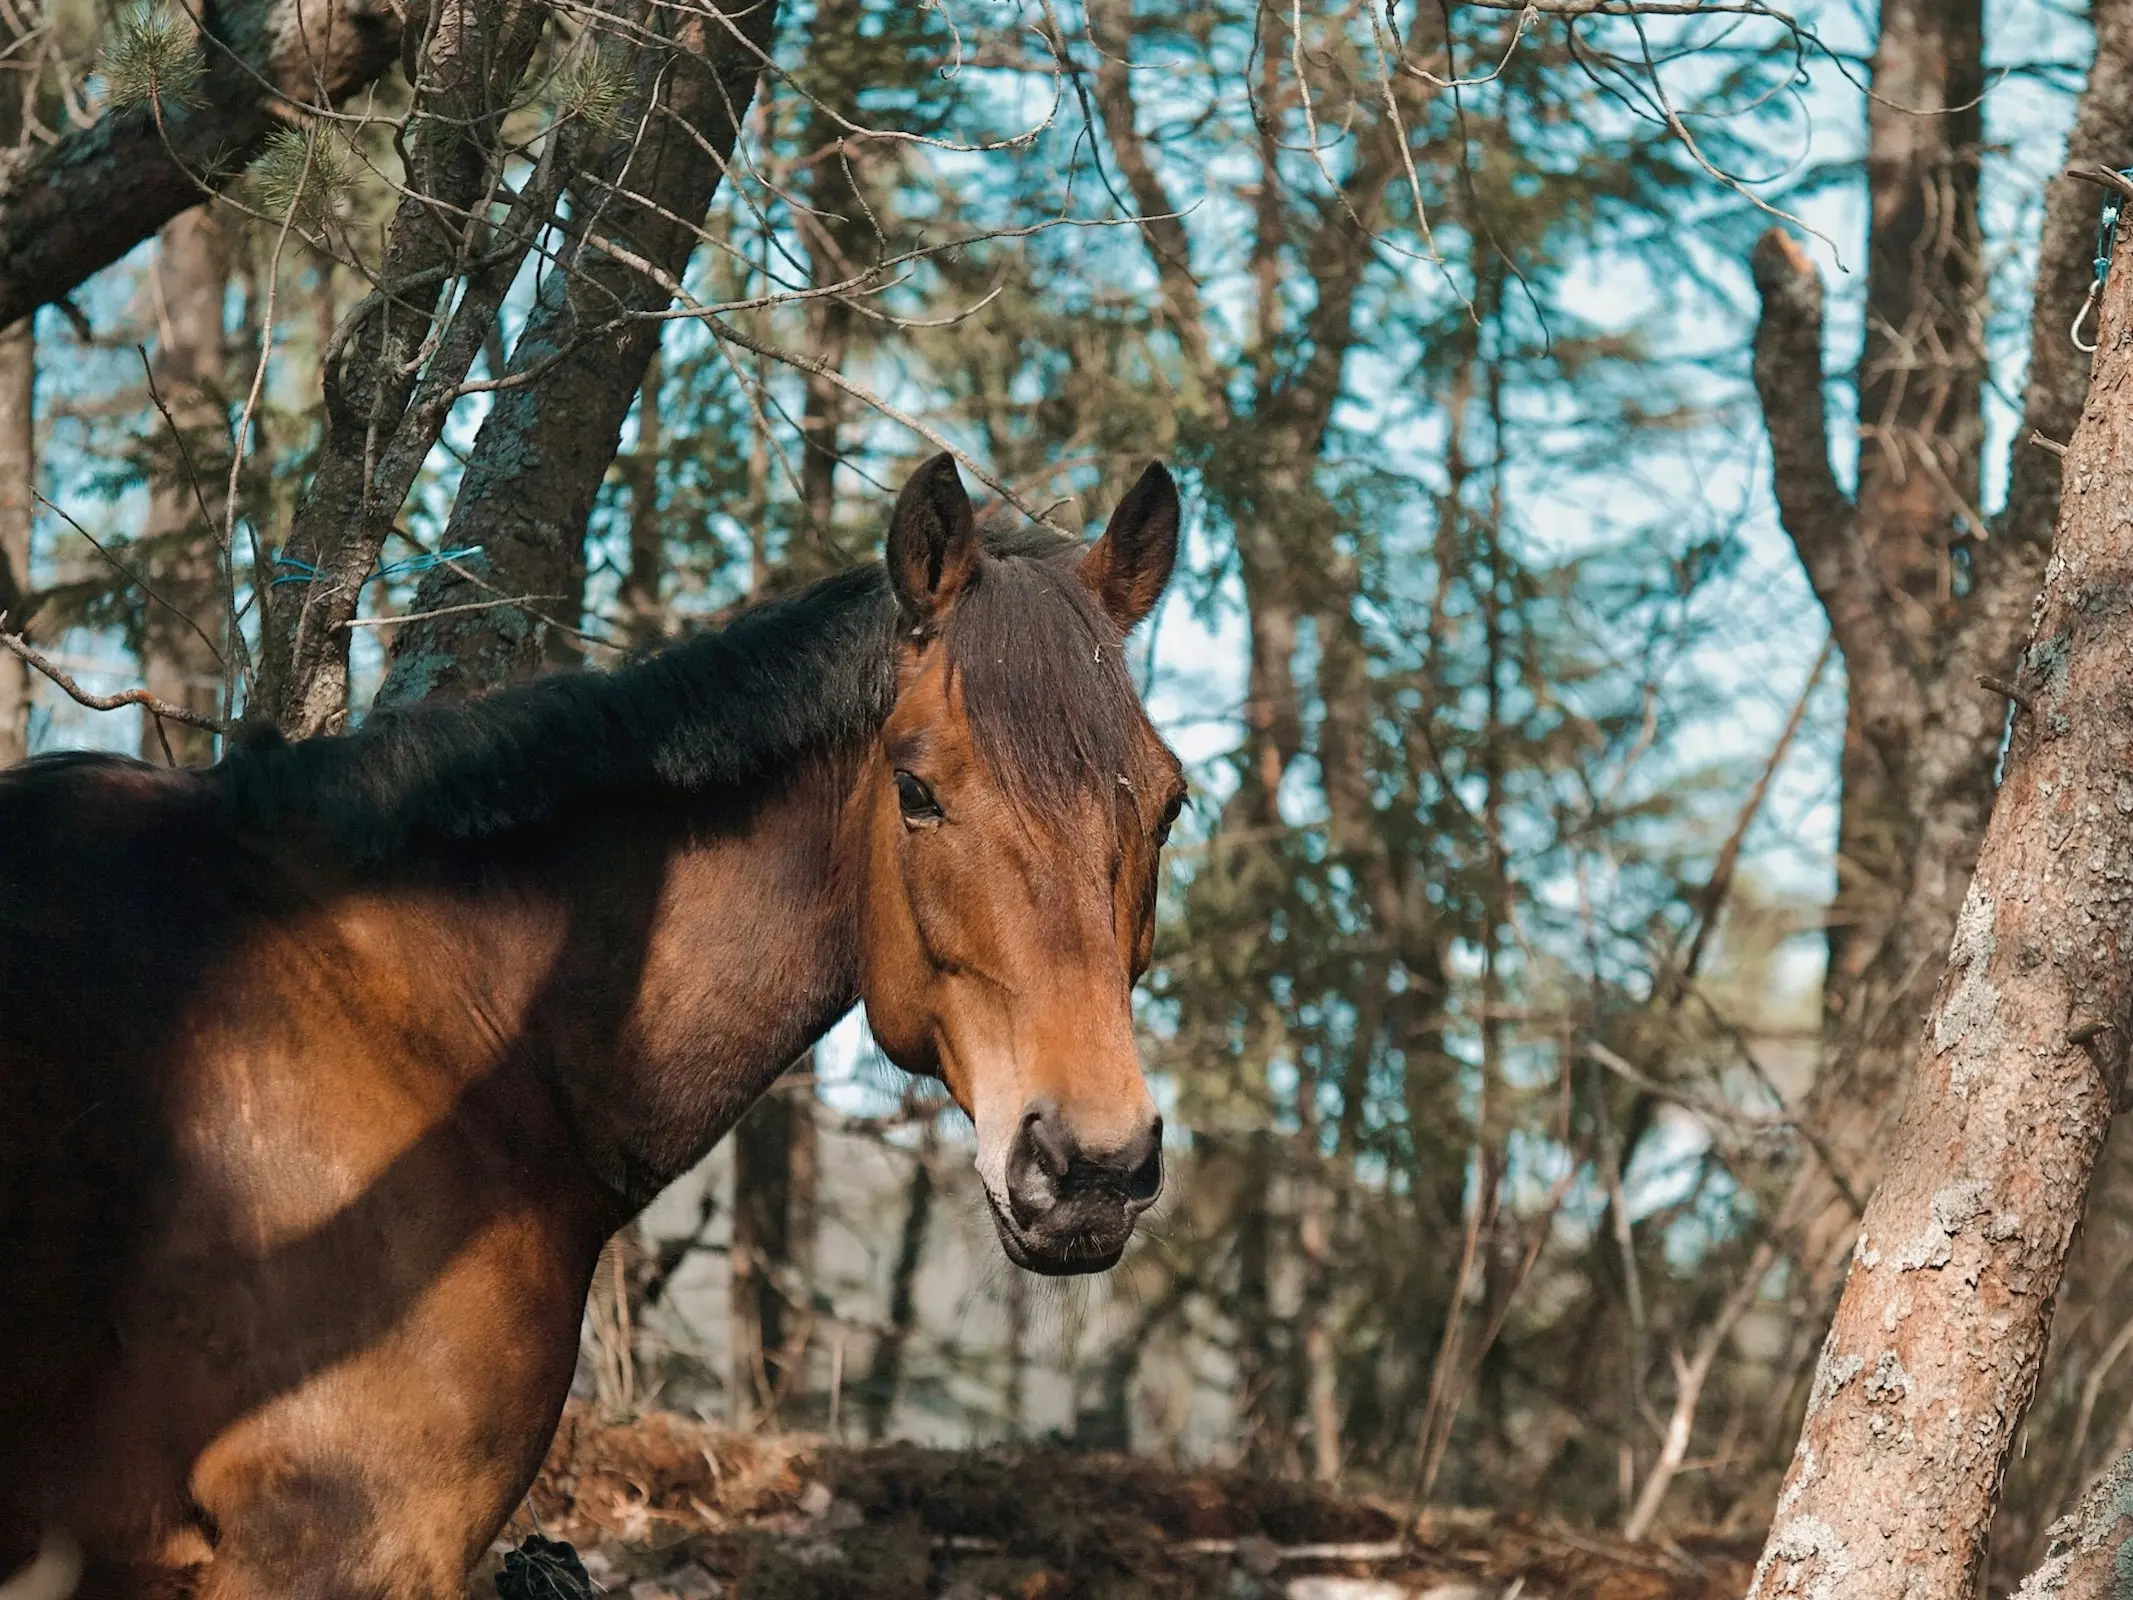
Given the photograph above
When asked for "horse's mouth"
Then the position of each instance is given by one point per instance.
(1068, 1256)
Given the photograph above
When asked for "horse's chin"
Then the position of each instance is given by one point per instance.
(1073, 1256)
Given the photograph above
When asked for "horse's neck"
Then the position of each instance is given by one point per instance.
(691, 965)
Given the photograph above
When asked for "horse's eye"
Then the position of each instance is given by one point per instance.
(915, 800)
(1170, 820)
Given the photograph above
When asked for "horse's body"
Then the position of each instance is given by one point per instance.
(327, 1072)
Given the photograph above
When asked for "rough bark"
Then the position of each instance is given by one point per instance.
(836, 233)
(1922, 366)
(644, 613)
(180, 664)
(73, 207)
(546, 445)
(386, 389)
(1934, 1354)
(2088, 1544)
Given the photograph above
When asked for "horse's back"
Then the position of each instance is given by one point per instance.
(109, 913)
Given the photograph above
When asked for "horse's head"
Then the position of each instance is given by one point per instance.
(1016, 809)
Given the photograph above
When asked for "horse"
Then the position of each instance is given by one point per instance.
(325, 1072)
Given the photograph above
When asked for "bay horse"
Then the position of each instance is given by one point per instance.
(325, 1072)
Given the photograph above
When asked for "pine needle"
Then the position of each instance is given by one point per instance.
(153, 57)
(593, 87)
(300, 174)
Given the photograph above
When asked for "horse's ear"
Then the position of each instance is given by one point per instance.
(1127, 568)
(933, 542)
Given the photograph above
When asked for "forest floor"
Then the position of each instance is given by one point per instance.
(668, 1508)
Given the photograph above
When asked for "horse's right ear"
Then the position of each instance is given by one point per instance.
(933, 543)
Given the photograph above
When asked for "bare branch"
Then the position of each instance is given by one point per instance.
(1690, 1376)
(896, 414)
(24, 651)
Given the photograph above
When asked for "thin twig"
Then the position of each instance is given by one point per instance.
(127, 572)
(1689, 1381)
(445, 611)
(21, 648)
(207, 518)
(2006, 691)
(2103, 177)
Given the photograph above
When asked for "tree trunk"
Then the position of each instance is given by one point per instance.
(180, 662)
(18, 479)
(644, 614)
(1936, 732)
(390, 384)
(545, 446)
(18, 469)
(2087, 1545)
(773, 1221)
(835, 230)
(885, 1372)
(1934, 1354)
(1265, 1417)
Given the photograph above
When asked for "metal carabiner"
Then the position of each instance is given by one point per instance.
(2106, 245)
(2088, 305)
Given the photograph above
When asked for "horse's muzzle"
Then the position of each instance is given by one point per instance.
(1070, 1207)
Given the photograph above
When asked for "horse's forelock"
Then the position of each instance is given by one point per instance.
(1042, 670)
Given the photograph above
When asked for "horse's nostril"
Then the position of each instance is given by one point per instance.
(1145, 1181)
(1037, 1163)
(1046, 1133)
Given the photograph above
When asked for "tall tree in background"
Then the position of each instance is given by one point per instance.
(178, 546)
(1395, 740)
(774, 1154)
(1918, 596)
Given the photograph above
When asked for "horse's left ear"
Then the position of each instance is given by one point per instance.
(933, 543)
(1127, 568)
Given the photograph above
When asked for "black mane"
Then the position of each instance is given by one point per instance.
(1043, 678)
